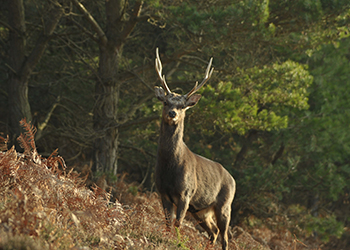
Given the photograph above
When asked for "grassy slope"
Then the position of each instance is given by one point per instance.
(42, 206)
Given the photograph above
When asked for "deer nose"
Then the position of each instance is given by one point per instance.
(172, 114)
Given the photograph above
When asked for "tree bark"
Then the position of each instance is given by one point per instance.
(21, 66)
(17, 86)
(107, 85)
(105, 112)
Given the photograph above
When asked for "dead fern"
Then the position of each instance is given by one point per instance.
(3, 143)
(26, 140)
(39, 198)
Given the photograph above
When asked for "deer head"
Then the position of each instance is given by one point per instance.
(175, 104)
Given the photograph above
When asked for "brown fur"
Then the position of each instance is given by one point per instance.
(187, 181)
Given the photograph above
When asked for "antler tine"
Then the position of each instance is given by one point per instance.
(194, 89)
(208, 73)
(159, 69)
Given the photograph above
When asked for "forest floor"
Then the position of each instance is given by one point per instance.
(45, 206)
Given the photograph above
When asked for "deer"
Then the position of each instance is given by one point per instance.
(187, 181)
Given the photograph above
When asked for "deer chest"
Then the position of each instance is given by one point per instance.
(174, 181)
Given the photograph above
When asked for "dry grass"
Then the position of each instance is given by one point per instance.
(39, 199)
(43, 206)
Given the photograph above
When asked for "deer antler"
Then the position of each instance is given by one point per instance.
(208, 73)
(159, 69)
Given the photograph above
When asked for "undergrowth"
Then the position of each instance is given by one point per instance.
(41, 200)
(45, 206)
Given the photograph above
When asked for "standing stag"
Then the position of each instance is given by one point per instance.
(187, 180)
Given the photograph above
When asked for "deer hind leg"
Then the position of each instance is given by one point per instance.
(223, 216)
(205, 220)
(168, 207)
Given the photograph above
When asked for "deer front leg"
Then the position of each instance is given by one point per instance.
(182, 208)
(168, 207)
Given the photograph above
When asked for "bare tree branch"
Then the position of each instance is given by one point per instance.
(82, 28)
(138, 149)
(17, 32)
(135, 107)
(42, 126)
(8, 26)
(136, 122)
(34, 57)
(132, 21)
(95, 26)
(78, 50)
(127, 75)
(144, 83)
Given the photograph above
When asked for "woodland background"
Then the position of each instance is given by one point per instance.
(275, 113)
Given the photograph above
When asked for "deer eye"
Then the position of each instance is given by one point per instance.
(165, 103)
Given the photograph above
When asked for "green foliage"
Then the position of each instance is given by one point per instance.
(324, 227)
(256, 99)
(181, 241)
(324, 137)
(308, 10)
(133, 190)
(313, 170)
(200, 21)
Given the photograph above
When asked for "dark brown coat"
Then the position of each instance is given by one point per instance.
(187, 181)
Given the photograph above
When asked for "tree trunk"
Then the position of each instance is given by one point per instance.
(18, 103)
(17, 86)
(21, 66)
(107, 84)
(105, 113)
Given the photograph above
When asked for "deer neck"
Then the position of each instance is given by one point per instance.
(171, 139)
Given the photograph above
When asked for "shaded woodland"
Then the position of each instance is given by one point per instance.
(275, 112)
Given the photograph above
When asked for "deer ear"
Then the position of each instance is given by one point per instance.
(192, 100)
(160, 94)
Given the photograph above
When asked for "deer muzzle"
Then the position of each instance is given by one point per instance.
(172, 114)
